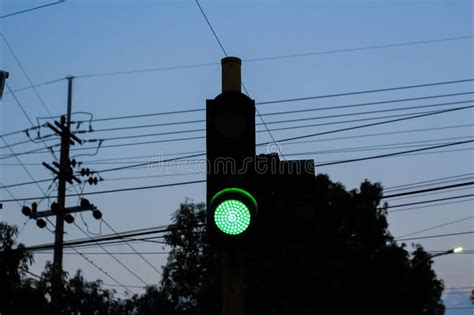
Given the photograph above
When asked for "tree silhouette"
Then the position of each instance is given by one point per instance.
(318, 249)
(338, 256)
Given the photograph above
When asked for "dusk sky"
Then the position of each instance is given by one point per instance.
(144, 57)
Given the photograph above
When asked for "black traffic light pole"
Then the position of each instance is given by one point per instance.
(232, 259)
(231, 136)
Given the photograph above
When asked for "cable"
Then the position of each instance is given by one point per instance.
(399, 187)
(108, 238)
(116, 190)
(243, 86)
(425, 201)
(115, 258)
(265, 124)
(437, 226)
(394, 154)
(405, 87)
(24, 71)
(32, 9)
(270, 58)
(38, 85)
(103, 271)
(326, 52)
(212, 29)
(134, 250)
(202, 137)
(434, 236)
(201, 181)
(439, 204)
(427, 190)
(354, 149)
(297, 142)
(283, 112)
(113, 253)
(367, 125)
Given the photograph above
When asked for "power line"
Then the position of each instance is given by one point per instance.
(430, 206)
(38, 85)
(425, 201)
(326, 52)
(115, 258)
(423, 114)
(113, 253)
(437, 226)
(32, 9)
(202, 181)
(102, 270)
(292, 111)
(212, 29)
(270, 58)
(394, 154)
(24, 71)
(427, 190)
(399, 187)
(243, 86)
(301, 142)
(134, 250)
(267, 123)
(368, 125)
(405, 87)
(147, 163)
(434, 236)
(201, 130)
(106, 238)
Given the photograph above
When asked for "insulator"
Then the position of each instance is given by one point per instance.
(34, 207)
(26, 211)
(97, 214)
(55, 207)
(85, 203)
(41, 223)
(69, 218)
(73, 162)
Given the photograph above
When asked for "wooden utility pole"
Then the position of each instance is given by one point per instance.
(64, 170)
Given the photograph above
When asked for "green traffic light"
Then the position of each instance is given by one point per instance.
(232, 216)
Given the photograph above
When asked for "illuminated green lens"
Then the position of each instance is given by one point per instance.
(232, 216)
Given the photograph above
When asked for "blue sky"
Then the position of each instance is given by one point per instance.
(89, 37)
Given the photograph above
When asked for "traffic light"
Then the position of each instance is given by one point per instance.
(234, 211)
(230, 136)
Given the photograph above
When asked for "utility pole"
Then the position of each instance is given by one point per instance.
(63, 172)
(64, 168)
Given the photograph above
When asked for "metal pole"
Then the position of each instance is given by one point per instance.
(57, 285)
(233, 276)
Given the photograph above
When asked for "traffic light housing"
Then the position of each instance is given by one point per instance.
(232, 205)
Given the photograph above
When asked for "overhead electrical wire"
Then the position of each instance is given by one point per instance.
(113, 257)
(272, 58)
(133, 248)
(437, 226)
(242, 84)
(203, 181)
(423, 114)
(24, 72)
(309, 98)
(32, 9)
(423, 202)
(434, 236)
